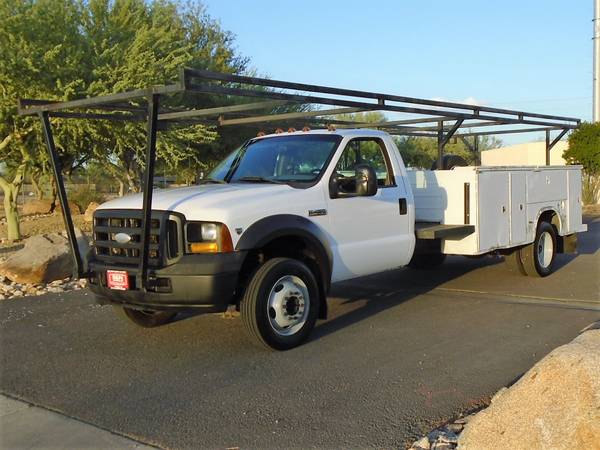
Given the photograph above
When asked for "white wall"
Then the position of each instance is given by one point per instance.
(529, 154)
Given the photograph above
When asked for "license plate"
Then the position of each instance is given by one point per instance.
(117, 279)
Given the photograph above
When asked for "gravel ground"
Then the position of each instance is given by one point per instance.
(30, 226)
(444, 437)
(10, 289)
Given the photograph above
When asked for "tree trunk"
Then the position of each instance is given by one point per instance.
(133, 181)
(39, 192)
(53, 195)
(11, 196)
(12, 214)
(121, 188)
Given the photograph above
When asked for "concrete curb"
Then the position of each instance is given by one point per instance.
(23, 425)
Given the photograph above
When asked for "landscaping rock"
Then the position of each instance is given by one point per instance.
(448, 438)
(455, 427)
(421, 444)
(442, 446)
(556, 404)
(89, 212)
(36, 207)
(43, 259)
(10, 290)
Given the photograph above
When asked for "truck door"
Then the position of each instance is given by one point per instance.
(369, 234)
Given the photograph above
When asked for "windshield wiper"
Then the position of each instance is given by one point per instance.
(259, 180)
(211, 180)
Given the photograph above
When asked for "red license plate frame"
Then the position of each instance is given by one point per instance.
(117, 280)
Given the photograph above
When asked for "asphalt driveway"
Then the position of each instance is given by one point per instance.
(401, 352)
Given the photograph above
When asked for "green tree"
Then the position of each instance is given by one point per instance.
(67, 49)
(41, 56)
(135, 44)
(584, 149)
(371, 117)
(421, 152)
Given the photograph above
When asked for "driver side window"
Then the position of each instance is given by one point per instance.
(365, 151)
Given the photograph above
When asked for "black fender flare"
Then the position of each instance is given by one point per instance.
(265, 230)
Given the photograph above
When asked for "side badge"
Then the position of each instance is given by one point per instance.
(317, 212)
(239, 231)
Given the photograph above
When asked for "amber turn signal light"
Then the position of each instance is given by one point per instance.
(204, 247)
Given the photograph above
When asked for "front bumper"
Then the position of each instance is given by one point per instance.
(206, 282)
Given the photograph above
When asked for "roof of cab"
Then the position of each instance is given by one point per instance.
(351, 132)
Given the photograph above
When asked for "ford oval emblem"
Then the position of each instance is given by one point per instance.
(122, 238)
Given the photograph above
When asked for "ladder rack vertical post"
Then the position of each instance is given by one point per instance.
(153, 104)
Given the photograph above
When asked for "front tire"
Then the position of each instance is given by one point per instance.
(281, 304)
(145, 319)
(538, 257)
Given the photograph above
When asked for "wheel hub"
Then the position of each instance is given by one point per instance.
(288, 305)
(545, 249)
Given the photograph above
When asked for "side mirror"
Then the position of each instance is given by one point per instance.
(366, 181)
(363, 184)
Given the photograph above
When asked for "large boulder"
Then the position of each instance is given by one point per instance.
(36, 207)
(89, 211)
(44, 258)
(554, 405)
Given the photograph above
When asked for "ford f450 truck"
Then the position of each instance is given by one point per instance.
(286, 215)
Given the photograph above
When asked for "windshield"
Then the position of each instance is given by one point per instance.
(297, 158)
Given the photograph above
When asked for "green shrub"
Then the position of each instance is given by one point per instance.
(83, 195)
(590, 189)
(584, 149)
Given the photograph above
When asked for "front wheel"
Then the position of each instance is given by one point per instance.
(281, 303)
(144, 318)
(538, 257)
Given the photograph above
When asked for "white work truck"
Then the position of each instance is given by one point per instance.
(286, 215)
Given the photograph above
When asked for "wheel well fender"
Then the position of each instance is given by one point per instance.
(550, 215)
(289, 236)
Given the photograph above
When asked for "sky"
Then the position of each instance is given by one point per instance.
(531, 55)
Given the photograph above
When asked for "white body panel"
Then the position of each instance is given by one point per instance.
(504, 203)
(368, 234)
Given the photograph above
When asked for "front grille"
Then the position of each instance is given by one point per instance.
(165, 236)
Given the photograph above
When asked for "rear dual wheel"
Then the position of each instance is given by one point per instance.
(537, 258)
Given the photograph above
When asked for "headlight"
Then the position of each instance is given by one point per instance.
(208, 231)
(207, 237)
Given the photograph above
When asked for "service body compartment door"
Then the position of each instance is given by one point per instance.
(494, 221)
(574, 204)
(546, 186)
(518, 209)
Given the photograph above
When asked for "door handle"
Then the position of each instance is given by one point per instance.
(403, 207)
